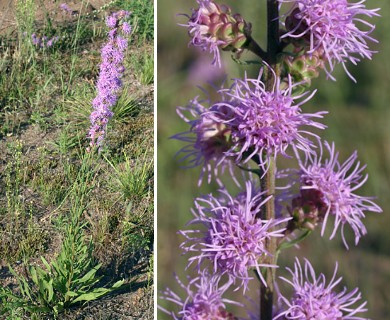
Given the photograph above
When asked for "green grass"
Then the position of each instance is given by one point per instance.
(68, 216)
(142, 17)
(144, 68)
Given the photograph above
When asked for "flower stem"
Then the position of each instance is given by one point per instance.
(273, 42)
(253, 46)
(267, 292)
(268, 182)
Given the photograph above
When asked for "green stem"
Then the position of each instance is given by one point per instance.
(268, 182)
(268, 213)
(253, 46)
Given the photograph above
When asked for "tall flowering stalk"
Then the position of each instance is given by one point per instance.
(251, 125)
(109, 81)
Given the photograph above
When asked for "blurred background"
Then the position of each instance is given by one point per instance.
(358, 119)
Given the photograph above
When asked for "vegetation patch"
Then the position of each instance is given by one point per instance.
(76, 224)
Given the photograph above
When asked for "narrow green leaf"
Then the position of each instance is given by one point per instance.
(50, 290)
(286, 245)
(118, 284)
(33, 274)
(93, 295)
(89, 275)
(46, 264)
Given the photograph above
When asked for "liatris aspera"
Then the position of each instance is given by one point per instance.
(330, 28)
(314, 299)
(234, 236)
(111, 71)
(333, 185)
(203, 299)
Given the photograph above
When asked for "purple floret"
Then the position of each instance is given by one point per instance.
(330, 27)
(233, 236)
(203, 299)
(266, 123)
(312, 298)
(336, 183)
(247, 122)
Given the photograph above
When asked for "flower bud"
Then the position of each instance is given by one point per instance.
(213, 27)
(307, 210)
(304, 67)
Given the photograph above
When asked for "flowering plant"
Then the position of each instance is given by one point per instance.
(244, 130)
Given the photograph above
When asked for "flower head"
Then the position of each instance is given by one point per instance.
(330, 28)
(213, 27)
(266, 123)
(126, 28)
(66, 8)
(203, 301)
(246, 122)
(234, 235)
(208, 139)
(335, 184)
(314, 299)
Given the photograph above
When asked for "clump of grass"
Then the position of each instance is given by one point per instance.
(21, 237)
(25, 16)
(137, 233)
(132, 177)
(80, 107)
(14, 179)
(144, 68)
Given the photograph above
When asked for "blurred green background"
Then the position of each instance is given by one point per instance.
(358, 119)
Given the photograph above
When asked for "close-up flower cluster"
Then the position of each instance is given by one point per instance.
(248, 121)
(255, 134)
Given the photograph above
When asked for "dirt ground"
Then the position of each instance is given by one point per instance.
(7, 11)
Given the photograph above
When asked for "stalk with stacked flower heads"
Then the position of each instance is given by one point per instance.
(109, 81)
(235, 239)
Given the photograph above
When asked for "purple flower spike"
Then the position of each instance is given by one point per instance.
(266, 123)
(329, 27)
(336, 184)
(203, 301)
(234, 236)
(314, 299)
(108, 83)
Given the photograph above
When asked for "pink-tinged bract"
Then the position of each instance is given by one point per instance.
(212, 27)
(208, 139)
(336, 183)
(313, 298)
(233, 236)
(203, 299)
(331, 29)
